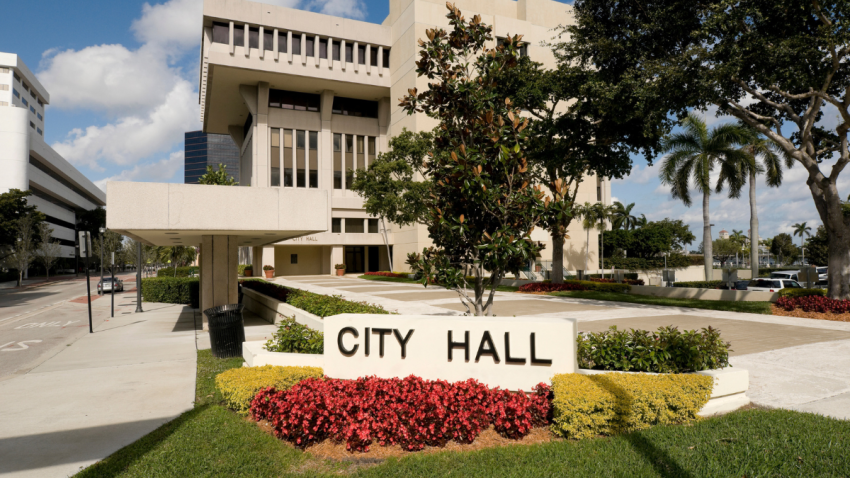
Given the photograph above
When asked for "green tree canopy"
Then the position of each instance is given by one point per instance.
(817, 248)
(217, 178)
(782, 246)
(14, 206)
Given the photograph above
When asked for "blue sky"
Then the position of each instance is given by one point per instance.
(123, 83)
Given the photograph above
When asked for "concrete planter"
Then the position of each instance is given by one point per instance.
(249, 272)
(340, 272)
(270, 310)
(269, 274)
(256, 356)
(728, 394)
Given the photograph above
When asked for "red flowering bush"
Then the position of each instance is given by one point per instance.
(814, 303)
(544, 287)
(386, 274)
(612, 281)
(411, 412)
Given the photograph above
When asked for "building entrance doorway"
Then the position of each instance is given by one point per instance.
(374, 259)
(354, 260)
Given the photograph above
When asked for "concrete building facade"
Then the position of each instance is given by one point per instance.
(308, 97)
(206, 149)
(60, 191)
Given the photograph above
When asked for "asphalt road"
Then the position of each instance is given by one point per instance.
(38, 321)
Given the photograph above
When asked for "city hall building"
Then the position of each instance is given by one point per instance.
(308, 98)
(27, 162)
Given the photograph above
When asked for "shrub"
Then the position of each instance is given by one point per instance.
(172, 290)
(238, 386)
(801, 292)
(702, 284)
(316, 304)
(612, 281)
(241, 268)
(268, 267)
(292, 337)
(181, 271)
(339, 266)
(585, 406)
(666, 351)
(814, 303)
(411, 412)
(674, 261)
(386, 274)
(626, 275)
(575, 285)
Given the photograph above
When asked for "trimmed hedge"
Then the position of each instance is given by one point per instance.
(802, 292)
(316, 304)
(666, 351)
(386, 274)
(575, 285)
(585, 406)
(674, 261)
(238, 386)
(172, 290)
(181, 271)
(814, 303)
(292, 337)
(626, 275)
(240, 269)
(702, 284)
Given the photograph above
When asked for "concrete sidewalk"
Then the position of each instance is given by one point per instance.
(99, 394)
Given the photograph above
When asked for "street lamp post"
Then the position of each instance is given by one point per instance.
(102, 231)
(139, 277)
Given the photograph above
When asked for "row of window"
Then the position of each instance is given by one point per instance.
(221, 34)
(68, 184)
(293, 100)
(298, 152)
(345, 154)
(354, 225)
(26, 88)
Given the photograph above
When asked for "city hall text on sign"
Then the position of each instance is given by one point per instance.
(508, 352)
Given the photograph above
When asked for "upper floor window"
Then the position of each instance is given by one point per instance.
(32, 125)
(221, 33)
(39, 131)
(4, 87)
(335, 51)
(373, 56)
(4, 70)
(253, 37)
(239, 35)
(373, 226)
(386, 57)
(24, 101)
(361, 54)
(32, 109)
(268, 40)
(32, 93)
(311, 46)
(40, 103)
(323, 48)
(296, 43)
(349, 53)
(336, 225)
(15, 92)
(17, 78)
(40, 118)
(281, 42)
(354, 107)
(292, 100)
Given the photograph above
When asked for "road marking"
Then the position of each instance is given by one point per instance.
(23, 346)
(33, 325)
(35, 312)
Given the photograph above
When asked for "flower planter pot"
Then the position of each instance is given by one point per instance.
(269, 274)
(340, 272)
(248, 272)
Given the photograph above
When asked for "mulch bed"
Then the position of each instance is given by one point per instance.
(330, 450)
(810, 315)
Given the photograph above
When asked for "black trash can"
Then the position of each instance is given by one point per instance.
(227, 330)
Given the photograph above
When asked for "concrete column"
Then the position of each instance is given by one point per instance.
(380, 61)
(369, 59)
(257, 260)
(330, 53)
(268, 257)
(262, 43)
(304, 48)
(261, 135)
(247, 41)
(384, 106)
(342, 60)
(219, 261)
(275, 45)
(326, 145)
(230, 40)
(289, 46)
(337, 257)
(14, 149)
(355, 56)
(316, 50)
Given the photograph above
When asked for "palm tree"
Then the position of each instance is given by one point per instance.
(622, 216)
(594, 216)
(641, 221)
(802, 230)
(694, 154)
(763, 156)
(740, 238)
(767, 243)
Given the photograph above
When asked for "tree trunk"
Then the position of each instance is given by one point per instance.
(754, 228)
(557, 276)
(706, 240)
(586, 250)
(20, 278)
(828, 203)
(602, 249)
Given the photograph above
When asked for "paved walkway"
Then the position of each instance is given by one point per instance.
(98, 393)
(800, 364)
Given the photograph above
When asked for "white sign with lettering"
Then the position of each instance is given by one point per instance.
(515, 353)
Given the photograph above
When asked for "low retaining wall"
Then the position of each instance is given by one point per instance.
(270, 310)
(729, 392)
(256, 356)
(705, 294)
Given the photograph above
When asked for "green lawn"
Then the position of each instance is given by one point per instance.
(389, 279)
(749, 307)
(213, 441)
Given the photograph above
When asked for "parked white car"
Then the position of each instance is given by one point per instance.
(793, 275)
(773, 285)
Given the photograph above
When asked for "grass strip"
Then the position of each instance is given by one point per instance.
(730, 306)
(389, 279)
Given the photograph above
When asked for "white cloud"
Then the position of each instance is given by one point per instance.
(132, 138)
(642, 175)
(355, 9)
(161, 170)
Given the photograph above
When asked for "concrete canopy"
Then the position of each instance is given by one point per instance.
(166, 214)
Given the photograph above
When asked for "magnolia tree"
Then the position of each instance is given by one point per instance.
(481, 207)
(779, 66)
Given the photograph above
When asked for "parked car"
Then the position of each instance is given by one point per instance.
(793, 275)
(740, 285)
(822, 274)
(773, 285)
(106, 285)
